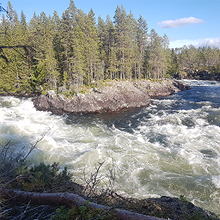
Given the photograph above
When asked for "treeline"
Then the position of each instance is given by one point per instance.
(198, 63)
(68, 52)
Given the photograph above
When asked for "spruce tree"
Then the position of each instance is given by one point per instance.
(5, 84)
(67, 24)
(11, 72)
(173, 66)
(79, 66)
(142, 38)
(111, 62)
(57, 42)
(25, 60)
(92, 49)
(156, 57)
(102, 34)
(45, 64)
(133, 52)
(121, 26)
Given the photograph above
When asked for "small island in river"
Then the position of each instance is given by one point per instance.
(111, 96)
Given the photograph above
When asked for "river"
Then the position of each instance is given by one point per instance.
(169, 148)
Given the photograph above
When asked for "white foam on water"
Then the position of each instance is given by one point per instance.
(216, 181)
(169, 152)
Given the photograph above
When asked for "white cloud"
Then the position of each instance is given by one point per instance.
(212, 42)
(179, 22)
(204, 42)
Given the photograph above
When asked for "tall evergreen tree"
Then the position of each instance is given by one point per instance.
(24, 62)
(92, 49)
(102, 34)
(111, 48)
(12, 70)
(182, 58)
(123, 40)
(68, 22)
(157, 58)
(173, 66)
(6, 81)
(45, 66)
(79, 66)
(142, 38)
(57, 42)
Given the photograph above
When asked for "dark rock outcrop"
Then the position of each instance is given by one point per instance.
(176, 209)
(110, 97)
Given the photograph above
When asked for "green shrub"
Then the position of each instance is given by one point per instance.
(82, 213)
(44, 176)
(61, 214)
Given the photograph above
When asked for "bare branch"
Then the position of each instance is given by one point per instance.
(69, 200)
(34, 145)
(93, 182)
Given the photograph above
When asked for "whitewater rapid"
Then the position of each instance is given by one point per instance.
(169, 148)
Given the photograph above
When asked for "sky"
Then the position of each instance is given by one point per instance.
(185, 22)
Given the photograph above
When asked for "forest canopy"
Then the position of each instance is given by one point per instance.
(65, 53)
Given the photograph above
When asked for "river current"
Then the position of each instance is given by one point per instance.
(169, 148)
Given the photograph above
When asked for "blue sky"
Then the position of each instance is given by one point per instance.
(184, 21)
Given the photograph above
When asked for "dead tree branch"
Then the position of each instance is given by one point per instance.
(67, 199)
(93, 182)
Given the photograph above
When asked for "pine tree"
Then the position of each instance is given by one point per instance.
(78, 68)
(156, 56)
(166, 54)
(102, 34)
(92, 49)
(45, 65)
(111, 48)
(72, 11)
(182, 58)
(24, 62)
(123, 40)
(5, 83)
(67, 23)
(192, 56)
(142, 38)
(173, 66)
(57, 42)
(132, 48)
(11, 73)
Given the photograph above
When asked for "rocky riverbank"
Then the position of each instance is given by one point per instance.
(111, 96)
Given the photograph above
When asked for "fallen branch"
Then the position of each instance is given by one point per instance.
(69, 200)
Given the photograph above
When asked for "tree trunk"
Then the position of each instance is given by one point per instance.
(67, 199)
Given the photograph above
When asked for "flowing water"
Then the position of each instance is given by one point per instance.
(169, 148)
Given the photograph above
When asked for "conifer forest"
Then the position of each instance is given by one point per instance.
(74, 50)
